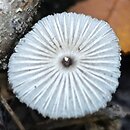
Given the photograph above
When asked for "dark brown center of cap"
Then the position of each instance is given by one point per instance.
(67, 61)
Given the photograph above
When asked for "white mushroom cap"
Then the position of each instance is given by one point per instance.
(67, 66)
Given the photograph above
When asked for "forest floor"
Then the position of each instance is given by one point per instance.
(15, 115)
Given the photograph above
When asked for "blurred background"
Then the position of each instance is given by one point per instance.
(115, 12)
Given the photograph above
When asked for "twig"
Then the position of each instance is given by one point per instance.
(112, 112)
(60, 123)
(13, 115)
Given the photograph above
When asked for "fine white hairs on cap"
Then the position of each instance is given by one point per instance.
(67, 66)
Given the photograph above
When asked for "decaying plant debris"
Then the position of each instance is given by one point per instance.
(111, 118)
(16, 17)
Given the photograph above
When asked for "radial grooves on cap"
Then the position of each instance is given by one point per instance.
(39, 78)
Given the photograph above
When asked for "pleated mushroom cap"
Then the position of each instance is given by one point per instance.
(67, 66)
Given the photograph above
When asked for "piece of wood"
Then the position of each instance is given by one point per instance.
(16, 17)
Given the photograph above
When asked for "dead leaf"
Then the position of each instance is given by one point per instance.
(116, 12)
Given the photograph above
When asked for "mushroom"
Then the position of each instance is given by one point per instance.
(67, 66)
